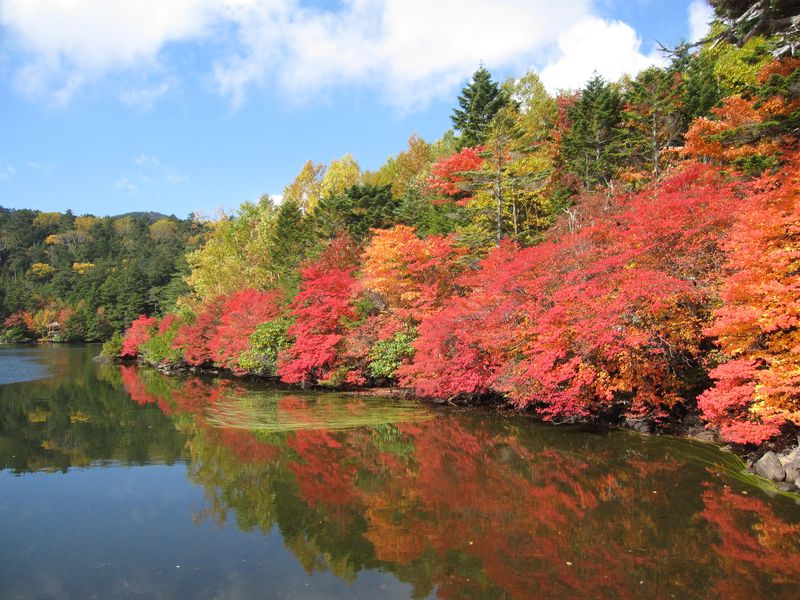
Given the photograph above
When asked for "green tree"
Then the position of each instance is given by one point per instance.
(360, 209)
(592, 145)
(700, 89)
(479, 101)
(652, 117)
(290, 243)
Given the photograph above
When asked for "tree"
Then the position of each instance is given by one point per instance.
(240, 314)
(652, 117)
(321, 310)
(237, 252)
(601, 318)
(412, 276)
(341, 175)
(290, 242)
(306, 189)
(193, 339)
(356, 211)
(137, 334)
(592, 144)
(757, 386)
(745, 19)
(479, 101)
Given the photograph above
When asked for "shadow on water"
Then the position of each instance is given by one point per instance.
(370, 497)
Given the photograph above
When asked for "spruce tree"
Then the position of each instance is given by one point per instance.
(593, 146)
(479, 101)
(291, 240)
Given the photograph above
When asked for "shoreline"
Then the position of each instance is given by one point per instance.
(770, 463)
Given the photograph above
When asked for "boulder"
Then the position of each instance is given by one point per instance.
(770, 467)
(792, 469)
(789, 456)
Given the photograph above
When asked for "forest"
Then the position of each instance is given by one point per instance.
(629, 250)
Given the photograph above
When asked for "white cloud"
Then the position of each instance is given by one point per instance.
(126, 185)
(410, 51)
(6, 171)
(144, 98)
(150, 171)
(609, 48)
(43, 167)
(71, 41)
(700, 16)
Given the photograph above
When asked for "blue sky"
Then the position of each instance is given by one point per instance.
(195, 105)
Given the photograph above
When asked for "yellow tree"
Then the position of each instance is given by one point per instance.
(409, 169)
(342, 174)
(236, 254)
(306, 189)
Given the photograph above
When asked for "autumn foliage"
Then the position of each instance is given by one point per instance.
(412, 276)
(322, 310)
(240, 314)
(757, 389)
(602, 318)
(680, 296)
(137, 334)
(449, 174)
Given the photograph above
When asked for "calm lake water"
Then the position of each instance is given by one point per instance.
(117, 482)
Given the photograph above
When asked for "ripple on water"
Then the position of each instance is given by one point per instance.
(21, 364)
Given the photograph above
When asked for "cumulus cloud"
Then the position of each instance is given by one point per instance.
(593, 45)
(410, 51)
(700, 16)
(68, 42)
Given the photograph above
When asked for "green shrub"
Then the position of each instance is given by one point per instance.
(265, 346)
(158, 349)
(113, 346)
(387, 355)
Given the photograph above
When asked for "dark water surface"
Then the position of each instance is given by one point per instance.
(122, 483)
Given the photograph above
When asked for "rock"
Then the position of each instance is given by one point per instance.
(102, 359)
(640, 425)
(770, 467)
(797, 483)
(792, 469)
(785, 486)
(789, 456)
(704, 435)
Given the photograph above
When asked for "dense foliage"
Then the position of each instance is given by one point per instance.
(615, 252)
(68, 278)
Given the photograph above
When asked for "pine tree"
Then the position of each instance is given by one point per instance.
(700, 88)
(290, 242)
(479, 102)
(592, 146)
(652, 117)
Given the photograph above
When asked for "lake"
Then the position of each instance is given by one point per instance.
(121, 482)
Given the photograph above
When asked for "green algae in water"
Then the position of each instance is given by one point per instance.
(265, 413)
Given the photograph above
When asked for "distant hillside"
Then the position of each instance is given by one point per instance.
(149, 216)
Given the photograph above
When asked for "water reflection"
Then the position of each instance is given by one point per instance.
(77, 417)
(469, 505)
